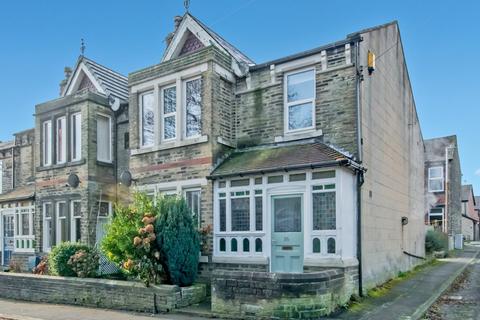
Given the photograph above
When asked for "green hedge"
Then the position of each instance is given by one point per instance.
(59, 257)
(436, 241)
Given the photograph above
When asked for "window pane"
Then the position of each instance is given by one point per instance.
(246, 245)
(62, 212)
(61, 140)
(223, 215)
(25, 224)
(316, 245)
(193, 107)
(288, 214)
(148, 119)
(275, 179)
(77, 230)
(323, 175)
(49, 234)
(258, 245)
(193, 201)
(233, 245)
(436, 172)
(103, 138)
(63, 230)
(223, 245)
(240, 214)
(48, 210)
(300, 116)
(169, 127)
(169, 100)
(436, 184)
(47, 143)
(258, 181)
(240, 183)
(76, 131)
(324, 211)
(331, 245)
(104, 210)
(258, 214)
(77, 208)
(301, 85)
(298, 177)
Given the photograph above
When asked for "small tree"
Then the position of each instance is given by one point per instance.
(178, 241)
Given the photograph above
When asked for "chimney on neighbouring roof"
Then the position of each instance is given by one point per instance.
(176, 22)
(68, 72)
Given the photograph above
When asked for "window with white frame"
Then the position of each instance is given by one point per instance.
(193, 107)
(169, 112)
(1, 176)
(61, 140)
(104, 138)
(147, 126)
(47, 143)
(435, 217)
(62, 223)
(76, 136)
(48, 239)
(103, 217)
(300, 100)
(435, 179)
(24, 222)
(76, 219)
(193, 197)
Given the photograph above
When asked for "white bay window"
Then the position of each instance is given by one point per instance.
(61, 225)
(75, 218)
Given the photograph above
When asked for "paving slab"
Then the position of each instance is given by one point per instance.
(411, 298)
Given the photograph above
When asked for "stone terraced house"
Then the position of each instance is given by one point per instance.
(470, 219)
(309, 169)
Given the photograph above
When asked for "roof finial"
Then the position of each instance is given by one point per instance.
(186, 4)
(82, 47)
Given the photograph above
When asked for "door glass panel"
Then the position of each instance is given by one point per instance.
(288, 214)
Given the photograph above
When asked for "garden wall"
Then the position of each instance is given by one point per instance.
(109, 294)
(265, 295)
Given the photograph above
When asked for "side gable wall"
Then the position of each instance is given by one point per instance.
(393, 153)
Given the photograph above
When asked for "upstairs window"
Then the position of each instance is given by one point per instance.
(47, 143)
(300, 100)
(76, 136)
(193, 107)
(104, 138)
(435, 179)
(61, 142)
(1, 176)
(147, 120)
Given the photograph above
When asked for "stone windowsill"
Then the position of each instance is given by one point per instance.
(63, 165)
(170, 145)
(298, 135)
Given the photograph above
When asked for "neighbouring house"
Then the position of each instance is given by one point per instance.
(443, 186)
(470, 219)
(309, 169)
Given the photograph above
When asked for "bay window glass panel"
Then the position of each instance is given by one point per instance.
(76, 136)
(287, 214)
(104, 144)
(169, 112)
(240, 214)
(324, 212)
(148, 119)
(258, 213)
(76, 221)
(61, 135)
(62, 231)
(47, 143)
(25, 224)
(223, 215)
(300, 116)
(48, 235)
(193, 201)
(193, 107)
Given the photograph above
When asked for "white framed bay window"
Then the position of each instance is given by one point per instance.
(48, 228)
(435, 179)
(75, 220)
(169, 113)
(192, 103)
(299, 100)
(61, 229)
(147, 119)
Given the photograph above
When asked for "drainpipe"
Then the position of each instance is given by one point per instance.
(446, 192)
(13, 166)
(360, 176)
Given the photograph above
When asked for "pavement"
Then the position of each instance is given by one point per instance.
(408, 299)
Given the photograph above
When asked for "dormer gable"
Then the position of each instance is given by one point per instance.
(91, 76)
(192, 35)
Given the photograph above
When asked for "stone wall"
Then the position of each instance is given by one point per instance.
(99, 293)
(264, 295)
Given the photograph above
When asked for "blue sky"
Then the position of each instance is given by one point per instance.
(39, 38)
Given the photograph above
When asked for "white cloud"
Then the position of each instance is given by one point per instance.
(477, 173)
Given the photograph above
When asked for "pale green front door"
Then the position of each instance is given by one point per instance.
(287, 233)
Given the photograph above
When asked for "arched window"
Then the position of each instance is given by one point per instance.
(246, 245)
(258, 245)
(331, 245)
(316, 245)
(223, 245)
(233, 245)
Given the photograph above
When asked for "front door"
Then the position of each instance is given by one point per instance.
(287, 233)
(8, 238)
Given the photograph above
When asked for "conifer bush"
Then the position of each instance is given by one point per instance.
(178, 241)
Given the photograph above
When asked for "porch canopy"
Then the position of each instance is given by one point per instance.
(18, 194)
(286, 157)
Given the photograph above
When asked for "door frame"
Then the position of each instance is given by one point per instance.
(282, 193)
(6, 212)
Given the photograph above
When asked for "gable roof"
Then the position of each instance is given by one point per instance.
(105, 80)
(280, 158)
(206, 35)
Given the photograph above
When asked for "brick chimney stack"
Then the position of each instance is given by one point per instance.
(176, 22)
(68, 72)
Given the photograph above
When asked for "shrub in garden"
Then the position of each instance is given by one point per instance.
(85, 263)
(178, 241)
(42, 267)
(436, 241)
(59, 257)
